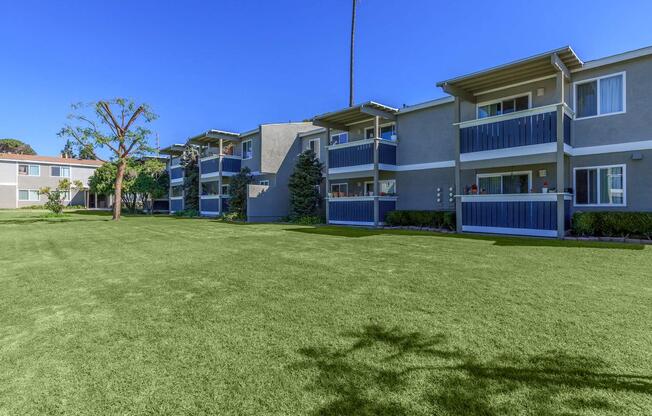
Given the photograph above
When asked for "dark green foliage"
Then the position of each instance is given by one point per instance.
(435, 219)
(87, 153)
(304, 186)
(190, 163)
(238, 192)
(186, 213)
(68, 150)
(307, 220)
(612, 224)
(16, 147)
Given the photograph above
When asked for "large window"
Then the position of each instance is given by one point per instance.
(29, 170)
(176, 191)
(28, 195)
(386, 187)
(313, 144)
(387, 132)
(247, 149)
(210, 188)
(600, 185)
(503, 106)
(504, 183)
(339, 189)
(600, 96)
(60, 171)
(340, 138)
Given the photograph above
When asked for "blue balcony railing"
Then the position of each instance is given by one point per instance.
(358, 210)
(232, 165)
(176, 205)
(353, 154)
(209, 205)
(176, 173)
(512, 131)
(229, 164)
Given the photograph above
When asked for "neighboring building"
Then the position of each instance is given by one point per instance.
(21, 177)
(269, 152)
(176, 173)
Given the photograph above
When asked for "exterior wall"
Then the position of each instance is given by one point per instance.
(426, 135)
(277, 141)
(633, 125)
(417, 189)
(638, 173)
(8, 193)
(254, 163)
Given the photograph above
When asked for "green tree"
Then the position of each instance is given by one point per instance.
(117, 125)
(16, 147)
(238, 192)
(57, 195)
(190, 162)
(304, 186)
(104, 178)
(151, 182)
(68, 150)
(87, 153)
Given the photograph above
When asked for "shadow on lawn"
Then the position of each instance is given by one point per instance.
(507, 241)
(381, 364)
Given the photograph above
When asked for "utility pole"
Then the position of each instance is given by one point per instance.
(355, 2)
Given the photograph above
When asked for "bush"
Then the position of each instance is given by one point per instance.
(612, 224)
(307, 220)
(434, 219)
(186, 213)
(231, 217)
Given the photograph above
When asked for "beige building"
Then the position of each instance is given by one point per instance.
(21, 177)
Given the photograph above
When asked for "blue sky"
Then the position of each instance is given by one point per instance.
(234, 64)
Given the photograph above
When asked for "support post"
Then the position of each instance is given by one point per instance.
(458, 172)
(376, 173)
(219, 178)
(199, 182)
(328, 187)
(561, 166)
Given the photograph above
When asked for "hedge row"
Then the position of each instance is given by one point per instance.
(613, 224)
(435, 219)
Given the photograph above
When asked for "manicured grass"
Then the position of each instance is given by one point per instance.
(158, 315)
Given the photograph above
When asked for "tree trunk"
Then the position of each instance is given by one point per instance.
(117, 196)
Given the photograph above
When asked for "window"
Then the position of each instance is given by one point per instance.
(601, 185)
(60, 171)
(313, 144)
(28, 195)
(503, 106)
(386, 187)
(504, 183)
(210, 188)
(264, 182)
(177, 191)
(225, 189)
(387, 132)
(340, 138)
(339, 189)
(247, 150)
(29, 170)
(600, 96)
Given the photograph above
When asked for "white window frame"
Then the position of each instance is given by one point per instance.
(251, 145)
(501, 174)
(38, 197)
(623, 166)
(61, 167)
(340, 184)
(29, 165)
(597, 80)
(318, 146)
(500, 100)
(343, 133)
(379, 182)
(391, 123)
(264, 182)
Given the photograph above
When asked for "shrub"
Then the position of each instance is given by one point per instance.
(612, 224)
(232, 217)
(307, 220)
(186, 213)
(435, 219)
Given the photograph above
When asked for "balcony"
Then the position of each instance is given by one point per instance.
(359, 156)
(535, 128)
(358, 210)
(176, 174)
(176, 204)
(213, 204)
(519, 214)
(230, 165)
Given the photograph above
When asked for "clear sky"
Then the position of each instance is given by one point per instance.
(234, 64)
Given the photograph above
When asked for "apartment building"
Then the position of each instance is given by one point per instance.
(176, 175)
(21, 177)
(514, 149)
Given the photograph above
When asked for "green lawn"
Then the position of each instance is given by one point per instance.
(158, 315)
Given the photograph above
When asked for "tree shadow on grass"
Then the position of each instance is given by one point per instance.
(506, 241)
(384, 370)
(46, 220)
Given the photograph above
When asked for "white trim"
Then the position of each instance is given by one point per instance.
(8, 184)
(533, 149)
(361, 198)
(428, 104)
(177, 180)
(597, 187)
(209, 213)
(351, 223)
(350, 144)
(210, 175)
(612, 148)
(207, 197)
(529, 197)
(40, 162)
(500, 100)
(625, 56)
(175, 167)
(502, 174)
(242, 144)
(597, 80)
(351, 169)
(318, 147)
(207, 158)
(512, 231)
(338, 134)
(424, 166)
(518, 84)
(60, 167)
(28, 166)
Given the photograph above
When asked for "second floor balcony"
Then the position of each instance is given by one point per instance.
(360, 154)
(176, 174)
(537, 126)
(230, 165)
